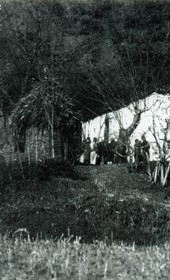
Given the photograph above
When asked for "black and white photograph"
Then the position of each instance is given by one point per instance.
(84, 139)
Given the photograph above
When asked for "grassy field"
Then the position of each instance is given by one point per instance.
(62, 259)
(111, 224)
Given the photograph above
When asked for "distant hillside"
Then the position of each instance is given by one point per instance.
(107, 53)
(122, 53)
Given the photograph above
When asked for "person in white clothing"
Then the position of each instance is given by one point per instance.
(93, 154)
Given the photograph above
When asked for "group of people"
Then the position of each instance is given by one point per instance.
(141, 150)
(95, 152)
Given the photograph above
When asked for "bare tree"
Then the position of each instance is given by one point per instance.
(160, 130)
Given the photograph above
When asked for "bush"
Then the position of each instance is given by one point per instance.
(52, 167)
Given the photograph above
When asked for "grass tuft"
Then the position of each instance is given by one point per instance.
(113, 225)
(48, 259)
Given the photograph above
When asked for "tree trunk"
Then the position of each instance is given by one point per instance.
(106, 131)
(36, 145)
(65, 149)
(20, 162)
(134, 124)
(28, 148)
(52, 134)
(123, 139)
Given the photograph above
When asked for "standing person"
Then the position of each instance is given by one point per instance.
(99, 152)
(87, 149)
(145, 147)
(111, 147)
(137, 152)
(93, 154)
(105, 152)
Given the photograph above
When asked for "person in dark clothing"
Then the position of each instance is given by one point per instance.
(105, 152)
(145, 147)
(101, 153)
(137, 151)
(87, 150)
(111, 151)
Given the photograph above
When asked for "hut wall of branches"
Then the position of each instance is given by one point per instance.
(32, 145)
(35, 145)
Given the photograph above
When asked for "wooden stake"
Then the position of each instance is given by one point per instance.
(166, 175)
(162, 173)
(156, 173)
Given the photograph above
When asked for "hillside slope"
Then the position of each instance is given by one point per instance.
(109, 203)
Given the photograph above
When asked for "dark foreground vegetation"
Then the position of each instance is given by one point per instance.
(48, 259)
(64, 228)
(102, 203)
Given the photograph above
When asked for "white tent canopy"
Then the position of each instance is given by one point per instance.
(153, 122)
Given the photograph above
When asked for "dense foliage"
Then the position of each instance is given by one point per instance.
(103, 55)
(42, 107)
